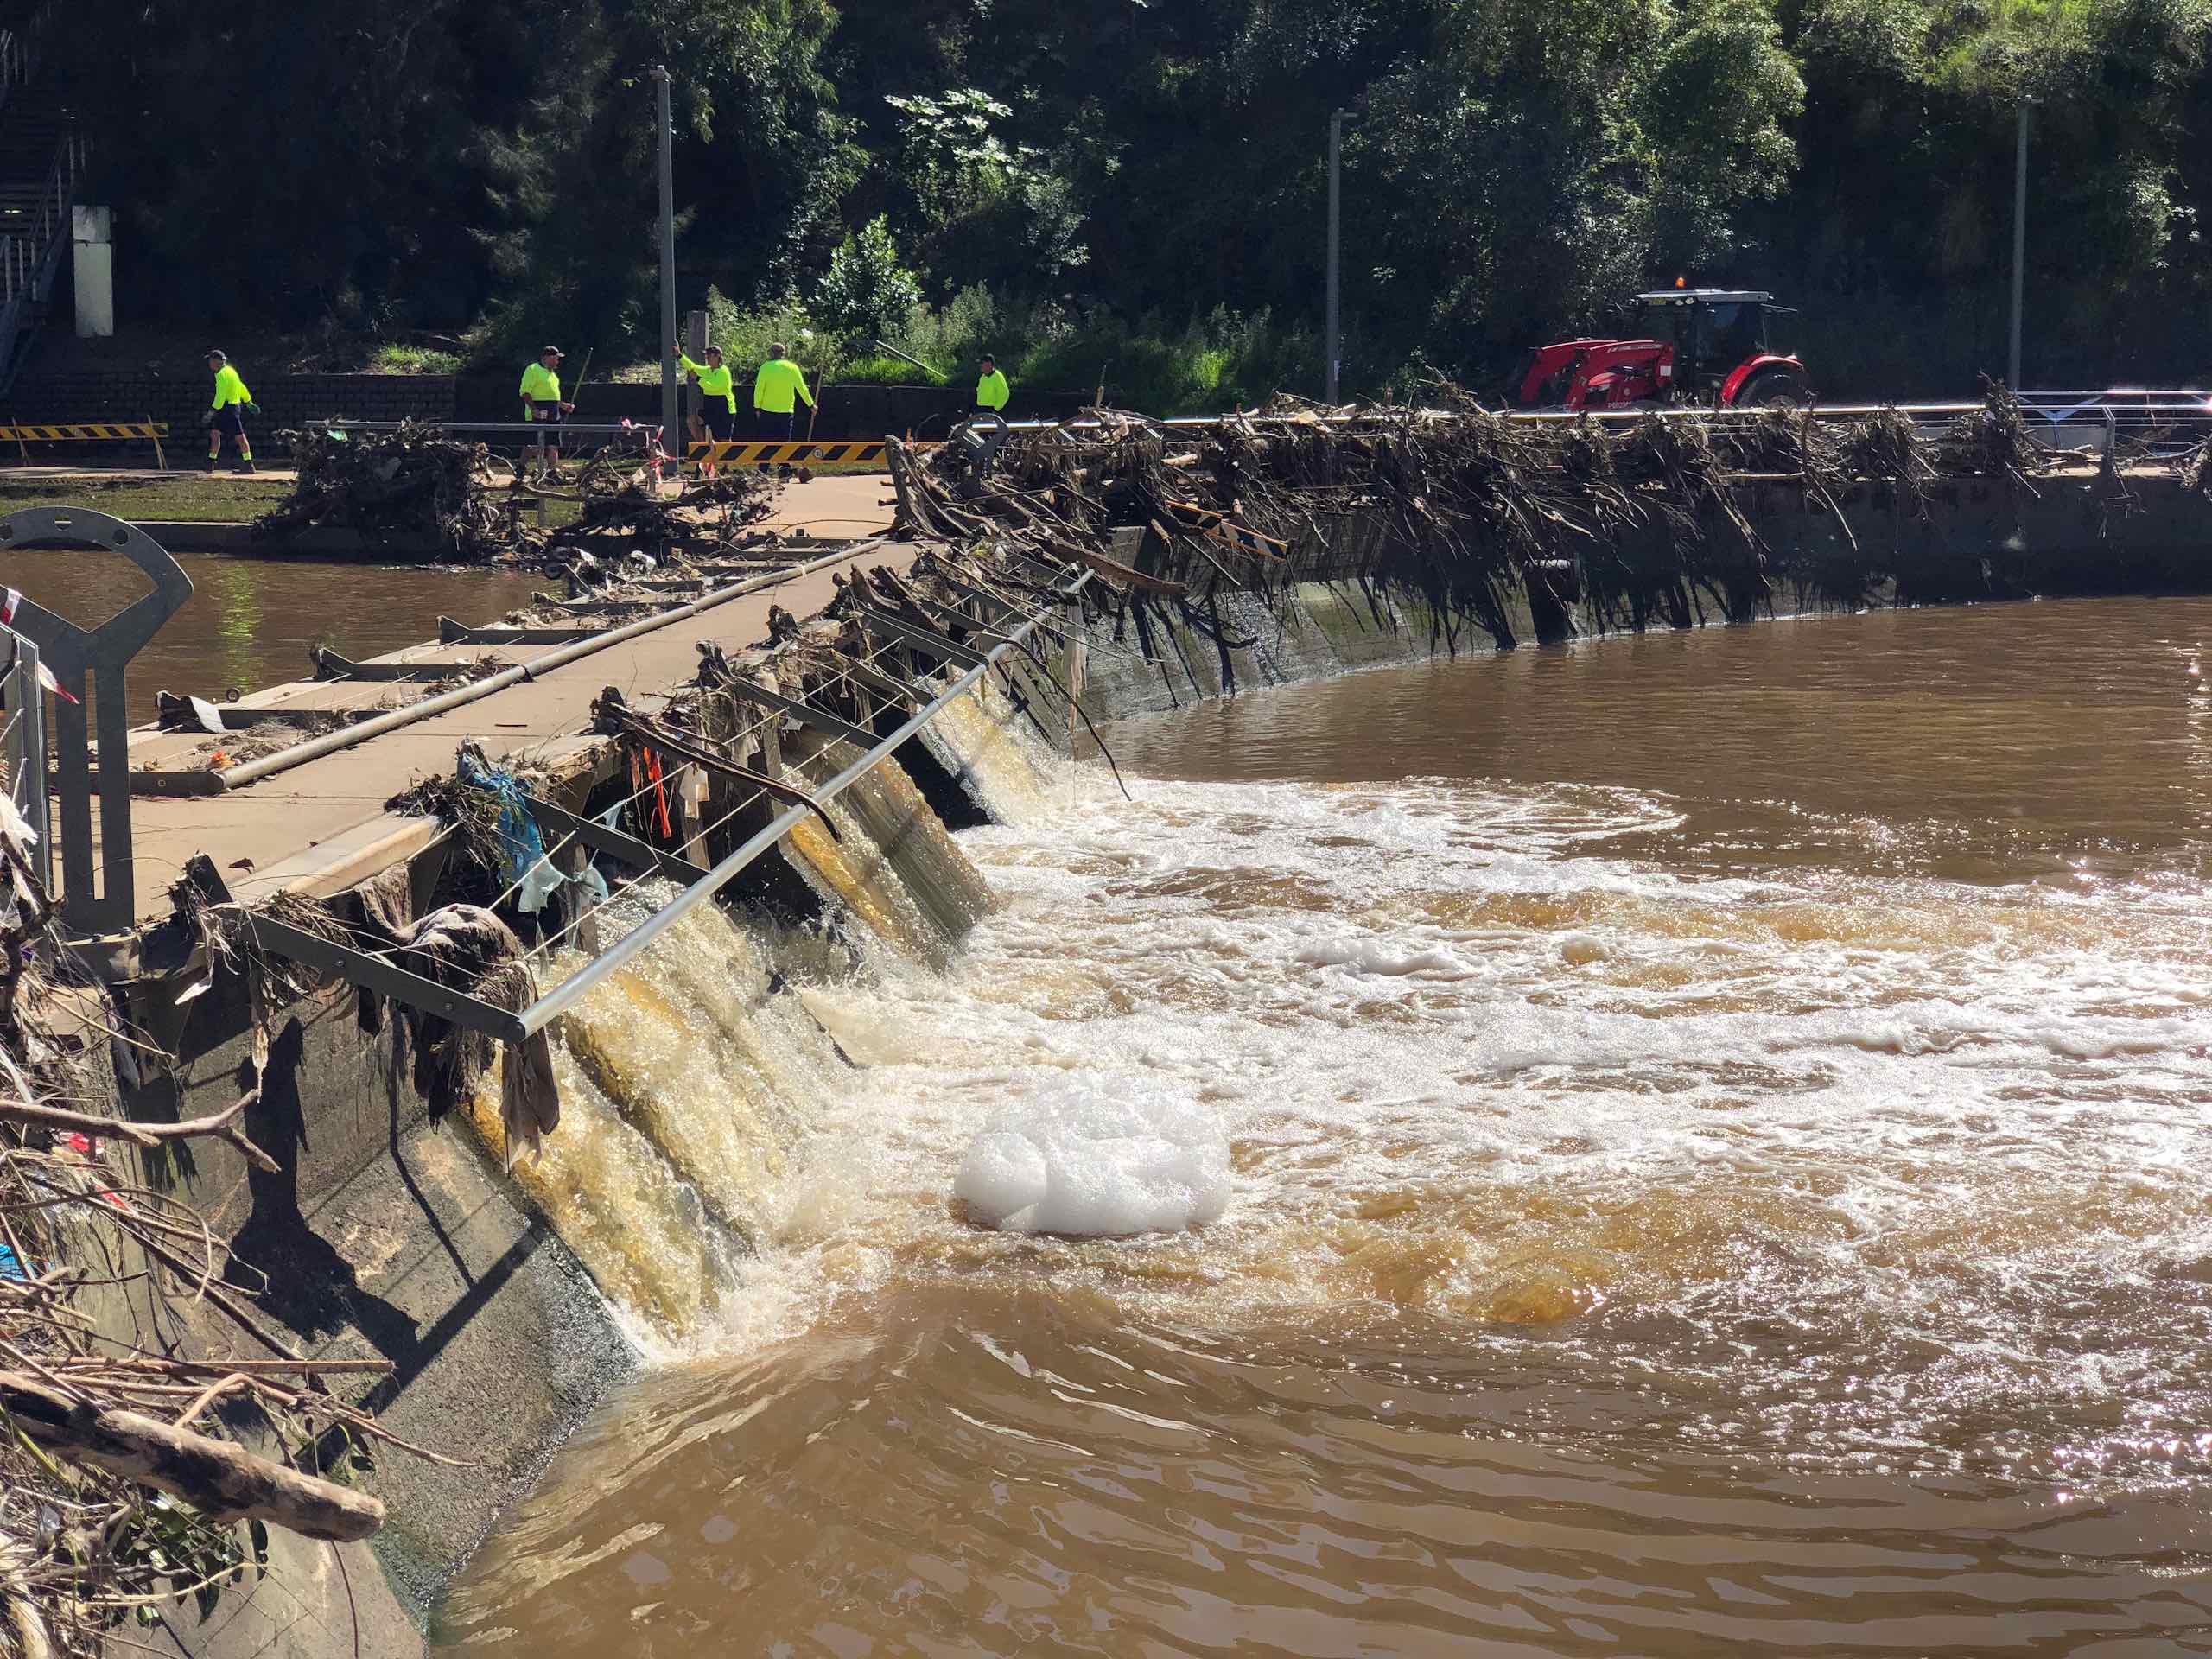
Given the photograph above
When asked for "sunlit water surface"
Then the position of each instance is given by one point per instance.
(1722, 1165)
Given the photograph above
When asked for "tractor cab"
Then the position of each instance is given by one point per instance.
(1713, 331)
(1695, 345)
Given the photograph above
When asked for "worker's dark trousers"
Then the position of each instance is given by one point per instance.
(774, 428)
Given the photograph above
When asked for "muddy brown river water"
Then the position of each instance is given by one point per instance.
(248, 622)
(1721, 1129)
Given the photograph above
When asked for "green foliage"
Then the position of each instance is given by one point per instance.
(744, 333)
(395, 357)
(1068, 185)
(867, 291)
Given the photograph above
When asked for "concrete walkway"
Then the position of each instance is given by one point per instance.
(321, 827)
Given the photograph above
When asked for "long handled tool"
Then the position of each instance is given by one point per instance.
(815, 412)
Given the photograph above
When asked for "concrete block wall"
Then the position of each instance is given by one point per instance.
(293, 400)
(286, 400)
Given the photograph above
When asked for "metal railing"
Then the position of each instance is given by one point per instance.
(31, 249)
(19, 48)
(510, 1026)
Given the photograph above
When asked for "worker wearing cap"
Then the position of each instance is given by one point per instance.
(542, 405)
(718, 409)
(779, 381)
(226, 414)
(991, 390)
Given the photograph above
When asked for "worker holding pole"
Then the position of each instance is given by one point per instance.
(718, 412)
(226, 414)
(542, 405)
(775, 389)
(991, 390)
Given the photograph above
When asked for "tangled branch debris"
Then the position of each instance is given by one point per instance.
(411, 485)
(125, 1489)
(1482, 518)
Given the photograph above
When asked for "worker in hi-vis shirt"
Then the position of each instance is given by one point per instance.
(774, 388)
(542, 405)
(226, 414)
(718, 407)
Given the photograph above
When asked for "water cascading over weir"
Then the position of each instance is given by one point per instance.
(691, 1078)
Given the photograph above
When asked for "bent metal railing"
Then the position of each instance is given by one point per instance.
(376, 974)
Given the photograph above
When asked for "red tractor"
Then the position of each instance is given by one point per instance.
(1703, 346)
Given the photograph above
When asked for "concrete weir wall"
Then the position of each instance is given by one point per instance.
(384, 1235)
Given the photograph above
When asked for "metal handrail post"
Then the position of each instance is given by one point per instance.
(26, 753)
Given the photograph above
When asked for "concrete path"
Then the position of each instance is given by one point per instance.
(321, 826)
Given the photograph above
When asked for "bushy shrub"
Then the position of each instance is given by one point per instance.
(867, 291)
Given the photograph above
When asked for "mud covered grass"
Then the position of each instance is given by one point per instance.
(222, 497)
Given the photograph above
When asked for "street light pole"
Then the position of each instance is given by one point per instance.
(1336, 119)
(2019, 240)
(669, 430)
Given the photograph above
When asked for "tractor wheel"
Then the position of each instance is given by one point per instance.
(1775, 389)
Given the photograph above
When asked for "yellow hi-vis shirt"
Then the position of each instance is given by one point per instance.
(774, 386)
(716, 383)
(229, 389)
(540, 385)
(991, 390)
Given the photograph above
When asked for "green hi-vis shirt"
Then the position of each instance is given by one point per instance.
(991, 390)
(540, 385)
(229, 389)
(716, 383)
(778, 382)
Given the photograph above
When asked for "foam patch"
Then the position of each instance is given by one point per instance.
(1093, 1158)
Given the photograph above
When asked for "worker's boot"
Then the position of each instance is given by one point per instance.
(245, 467)
(214, 461)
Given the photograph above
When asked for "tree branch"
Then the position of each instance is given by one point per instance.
(222, 1125)
(225, 1481)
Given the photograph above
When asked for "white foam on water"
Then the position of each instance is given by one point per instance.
(1097, 1158)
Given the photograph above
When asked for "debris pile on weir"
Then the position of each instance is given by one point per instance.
(1481, 516)
(416, 487)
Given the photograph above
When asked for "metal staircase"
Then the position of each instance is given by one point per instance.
(42, 158)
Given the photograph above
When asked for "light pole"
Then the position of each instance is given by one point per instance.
(669, 430)
(2019, 239)
(1336, 119)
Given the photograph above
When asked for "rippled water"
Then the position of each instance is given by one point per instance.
(248, 622)
(1722, 1128)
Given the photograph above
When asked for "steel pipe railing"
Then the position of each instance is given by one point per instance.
(565, 996)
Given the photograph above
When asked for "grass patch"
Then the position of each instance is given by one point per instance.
(395, 358)
(182, 497)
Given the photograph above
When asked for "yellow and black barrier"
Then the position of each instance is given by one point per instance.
(20, 433)
(821, 454)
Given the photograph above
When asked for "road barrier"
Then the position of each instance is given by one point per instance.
(818, 454)
(20, 433)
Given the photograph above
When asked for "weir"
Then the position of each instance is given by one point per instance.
(768, 802)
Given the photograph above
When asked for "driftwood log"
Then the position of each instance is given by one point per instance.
(225, 1481)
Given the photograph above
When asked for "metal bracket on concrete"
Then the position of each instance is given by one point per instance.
(930, 641)
(375, 974)
(900, 692)
(451, 633)
(638, 855)
(72, 654)
(329, 666)
(806, 715)
(550, 1007)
